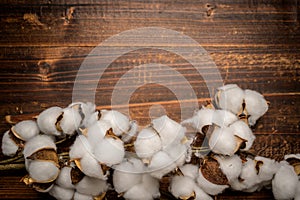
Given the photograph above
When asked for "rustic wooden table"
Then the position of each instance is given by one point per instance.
(254, 43)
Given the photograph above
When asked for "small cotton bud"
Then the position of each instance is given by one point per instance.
(256, 106)
(70, 121)
(284, 183)
(110, 151)
(222, 141)
(37, 143)
(242, 130)
(169, 131)
(161, 164)
(190, 170)
(42, 171)
(119, 122)
(80, 147)
(91, 186)
(91, 167)
(48, 119)
(230, 97)
(147, 143)
(230, 166)
(9, 147)
(182, 187)
(25, 130)
(201, 119)
(64, 179)
(79, 196)
(61, 193)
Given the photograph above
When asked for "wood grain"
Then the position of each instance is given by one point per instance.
(254, 43)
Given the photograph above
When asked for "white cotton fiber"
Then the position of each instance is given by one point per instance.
(80, 147)
(182, 186)
(119, 122)
(43, 171)
(231, 166)
(9, 147)
(151, 184)
(110, 151)
(161, 164)
(26, 129)
(242, 130)
(61, 193)
(267, 169)
(190, 170)
(71, 121)
(201, 118)
(223, 118)
(147, 143)
(256, 105)
(91, 186)
(222, 141)
(37, 143)
(230, 97)
(79, 196)
(138, 192)
(200, 194)
(91, 167)
(284, 184)
(96, 132)
(64, 179)
(47, 119)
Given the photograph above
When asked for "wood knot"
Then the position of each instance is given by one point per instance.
(44, 70)
(210, 9)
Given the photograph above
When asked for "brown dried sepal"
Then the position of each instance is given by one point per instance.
(295, 162)
(104, 168)
(111, 134)
(57, 123)
(40, 187)
(100, 197)
(76, 175)
(212, 172)
(45, 155)
(240, 143)
(243, 113)
(19, 142)
(258, 164)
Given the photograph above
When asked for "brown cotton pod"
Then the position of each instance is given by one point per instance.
(212, 172)
(45, 154)
(294, 160)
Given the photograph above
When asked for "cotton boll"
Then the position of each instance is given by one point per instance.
(91, 186)
(151, 184)
(230, 97)
(110, 151)
(201, 119)
(267, 168)
(47, 120)
(242, 130)
(284, 184)
(38, 142)
(256, 105)
(26, 129)
(9, 147)
(177, 153)
(80, 147)
(222, 141)
(223, 118)
(61, 193)
(208, 187)
(200, 194)
(43, 171)
(87, 111)
(96, 132)
(131, 132)
(169, 131)
(161, 164)
(230, 166)
(79, 196)
(190, 170)
(119, 122)
(137, 192)
(70, 121)
(147, 143)
(64, 179)
(91, 167)
(248, 177)
(182, 187)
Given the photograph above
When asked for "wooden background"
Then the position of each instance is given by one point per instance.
(254, 43)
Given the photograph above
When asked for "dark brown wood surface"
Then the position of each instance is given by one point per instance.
(254, 43)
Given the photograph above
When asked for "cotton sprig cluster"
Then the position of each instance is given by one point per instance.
(98, 159)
